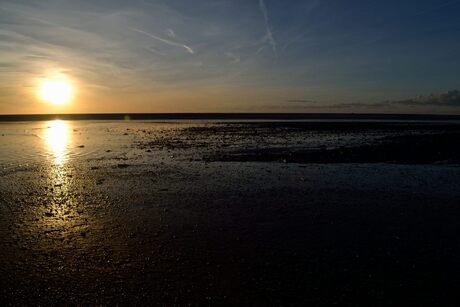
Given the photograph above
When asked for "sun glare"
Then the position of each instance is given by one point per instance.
(56, 91)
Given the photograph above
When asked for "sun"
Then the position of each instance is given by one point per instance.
(57, 91)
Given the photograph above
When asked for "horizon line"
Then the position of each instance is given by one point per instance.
(225, 116)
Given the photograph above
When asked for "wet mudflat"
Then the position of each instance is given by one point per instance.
(158, 214)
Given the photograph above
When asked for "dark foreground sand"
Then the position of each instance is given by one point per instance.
(209, 218)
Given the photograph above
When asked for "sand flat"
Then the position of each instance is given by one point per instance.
(145, 212)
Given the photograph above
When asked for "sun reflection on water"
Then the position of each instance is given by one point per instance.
(57, 139)
(63, 219)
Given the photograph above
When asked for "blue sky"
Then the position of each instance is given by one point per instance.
(232, 55)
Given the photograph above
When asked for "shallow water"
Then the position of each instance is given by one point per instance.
(107, 213)
(54, 142)
(69, 142)
(62, 142)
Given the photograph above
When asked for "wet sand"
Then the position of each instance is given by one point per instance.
(230, 214)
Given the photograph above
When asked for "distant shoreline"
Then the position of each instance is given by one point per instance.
(225, 116)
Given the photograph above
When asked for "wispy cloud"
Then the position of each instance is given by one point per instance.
(171, 43)
(235, 58)
(115, 49)
(153, 50)
(269, 33)
(450, 98)
(301, 101)
(170, 33)
(351, 105)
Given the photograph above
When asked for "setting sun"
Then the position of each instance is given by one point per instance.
(56, 91)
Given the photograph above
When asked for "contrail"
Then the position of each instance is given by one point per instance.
(269, 34)
(189, 50)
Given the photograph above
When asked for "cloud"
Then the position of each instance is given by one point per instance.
(353, 105)
(450, 98)
(308, 105)
(235, 58)
(170, 33)
(268, 34)
(302, 101)
(234, 45)
(171, 43)
(153, 50)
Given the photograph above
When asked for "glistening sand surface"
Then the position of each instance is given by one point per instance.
(131, 212)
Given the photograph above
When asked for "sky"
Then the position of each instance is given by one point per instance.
(232, 55)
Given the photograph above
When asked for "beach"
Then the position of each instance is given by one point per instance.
(349, 213)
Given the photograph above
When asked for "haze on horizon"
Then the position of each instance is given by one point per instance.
(232, 55)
